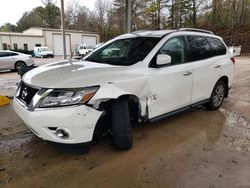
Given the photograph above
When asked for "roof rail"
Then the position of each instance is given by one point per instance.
(139, 31)
(196, 30)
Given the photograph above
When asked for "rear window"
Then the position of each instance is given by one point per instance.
(198, 48)
(218, 48)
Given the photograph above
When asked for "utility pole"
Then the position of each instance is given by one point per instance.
(128, 16)
(63, 29)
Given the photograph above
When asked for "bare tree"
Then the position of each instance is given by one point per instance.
(102, 8)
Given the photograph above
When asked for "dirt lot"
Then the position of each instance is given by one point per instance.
(193, 149)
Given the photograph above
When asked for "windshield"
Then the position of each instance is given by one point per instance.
(44, 49)
(124, 51)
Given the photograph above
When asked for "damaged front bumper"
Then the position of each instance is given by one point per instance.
(78, 121)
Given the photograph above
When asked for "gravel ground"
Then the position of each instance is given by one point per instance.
(198, 148)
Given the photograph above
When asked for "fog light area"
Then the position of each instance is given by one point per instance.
(62, 133)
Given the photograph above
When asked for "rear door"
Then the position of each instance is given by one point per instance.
(206, 67)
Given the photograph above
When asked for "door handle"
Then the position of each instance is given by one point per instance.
(217, 66)
(187, 73)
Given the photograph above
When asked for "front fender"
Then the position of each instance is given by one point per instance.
(113, 90)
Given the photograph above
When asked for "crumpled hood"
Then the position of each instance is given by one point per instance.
(72, 75)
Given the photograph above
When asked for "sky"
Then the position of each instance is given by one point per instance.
(12, 10)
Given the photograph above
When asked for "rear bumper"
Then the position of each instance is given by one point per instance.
(78, 121)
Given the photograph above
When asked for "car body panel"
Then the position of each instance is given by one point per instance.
(79, 121)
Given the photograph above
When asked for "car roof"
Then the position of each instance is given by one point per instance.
(8, 51)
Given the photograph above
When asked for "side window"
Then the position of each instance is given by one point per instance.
(198, 48)
(7, 54)
(175, 48)
(218, 48)
(4, 54)
(12, 54)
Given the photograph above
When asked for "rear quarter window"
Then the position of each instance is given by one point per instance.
(199, 48)
(218, 48)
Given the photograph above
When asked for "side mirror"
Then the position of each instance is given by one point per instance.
(163, 59)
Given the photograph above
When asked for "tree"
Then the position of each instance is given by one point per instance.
(102, 7)
(51, 14)
(8, 27)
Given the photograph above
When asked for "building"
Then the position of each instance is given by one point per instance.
(51, 38)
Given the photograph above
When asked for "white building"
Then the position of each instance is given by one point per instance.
(51, 38)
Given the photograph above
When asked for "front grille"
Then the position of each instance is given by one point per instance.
(26, 93)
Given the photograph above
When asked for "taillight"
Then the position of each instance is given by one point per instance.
(233, 60)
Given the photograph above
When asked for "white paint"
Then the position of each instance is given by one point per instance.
(89, 40)
(8, 63)
(58, 44)
(159, 90)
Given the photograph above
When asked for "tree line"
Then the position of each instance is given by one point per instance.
(108, 17)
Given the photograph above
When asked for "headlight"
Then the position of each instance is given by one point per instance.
(60, 97)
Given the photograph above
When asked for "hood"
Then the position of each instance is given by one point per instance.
(73, 75)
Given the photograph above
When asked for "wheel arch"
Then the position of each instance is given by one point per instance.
(19, 61)
(225, 80)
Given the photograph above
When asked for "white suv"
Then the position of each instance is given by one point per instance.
(150, 75)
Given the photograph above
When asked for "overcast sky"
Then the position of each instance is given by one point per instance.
(12, 10)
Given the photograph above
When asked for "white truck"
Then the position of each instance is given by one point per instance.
(82, 49)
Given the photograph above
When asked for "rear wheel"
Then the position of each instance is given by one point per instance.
(217, 96)
(19, 65)
(121, 126)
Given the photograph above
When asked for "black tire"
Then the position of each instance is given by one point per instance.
(121, 126)
(217, 96)
(19, 64)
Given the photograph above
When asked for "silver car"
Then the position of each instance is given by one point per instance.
(10, 60)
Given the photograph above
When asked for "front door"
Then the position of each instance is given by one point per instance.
(170, 86)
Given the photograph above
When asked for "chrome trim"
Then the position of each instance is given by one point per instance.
(21, 103)
(38, 98)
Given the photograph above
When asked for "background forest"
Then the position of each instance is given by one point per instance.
(228, 18)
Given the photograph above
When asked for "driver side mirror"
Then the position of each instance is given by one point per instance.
(163, 59)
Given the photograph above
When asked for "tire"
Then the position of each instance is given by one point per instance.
(217, 96)
(19, 64)
(121, 126)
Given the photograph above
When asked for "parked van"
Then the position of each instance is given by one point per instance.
(142, 76)
(83, 50)
(43, 52)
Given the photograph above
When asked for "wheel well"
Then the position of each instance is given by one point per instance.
(225, 80)
(19, 62)
(104, 122)
(134, 106)
(133, 102)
